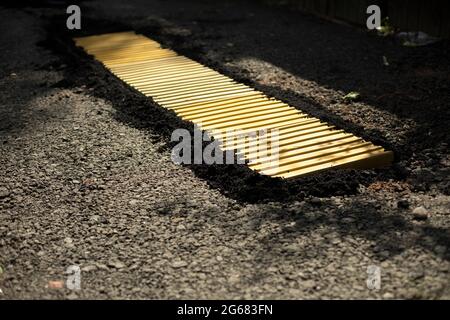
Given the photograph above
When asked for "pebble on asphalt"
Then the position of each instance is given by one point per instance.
(420, 213)
(3, 192)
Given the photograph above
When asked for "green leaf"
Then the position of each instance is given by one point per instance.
(352, 96)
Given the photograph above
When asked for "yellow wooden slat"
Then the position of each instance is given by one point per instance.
(241, 118)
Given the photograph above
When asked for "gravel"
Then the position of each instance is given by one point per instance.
(87, 178)
(420, 213)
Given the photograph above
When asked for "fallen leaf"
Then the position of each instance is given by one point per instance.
(352, 96)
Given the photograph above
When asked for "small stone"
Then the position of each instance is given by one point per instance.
(403, 204)
(388, 295)
(4, 193)
(68, 240)
(348, 220)
(420, 213)
(234, 278)
(116, 264)
(335, 241)
(416, 275)
(72, 296)
(133, 202)
(291, 248)
(309, 284)
(219, 258)
(179, 264)
(102, 266)
(316, 201)
(89, 268)
(103, 220)
(440, 249)
(163, 210)
(147, 269)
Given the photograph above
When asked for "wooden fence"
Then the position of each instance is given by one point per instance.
(430, 16)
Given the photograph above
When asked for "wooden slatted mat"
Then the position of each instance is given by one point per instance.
(238, 116)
